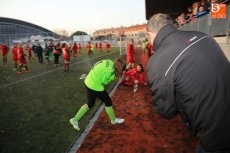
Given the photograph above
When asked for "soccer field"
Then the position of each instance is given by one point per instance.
(36, 106)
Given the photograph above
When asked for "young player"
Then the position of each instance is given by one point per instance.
(21, 59)
(56, 53)
(96, 46)
(66, 56)
(107, 46)
(39, 51)
(92, 49)
(134, 77)
(100, 47)
(14, 55)
(4, 48)
(79, 47)
(48, 51)
(130, 55)
(29, 52)
(74, 49)
(101, 74)
(144, 46)
(89, 49)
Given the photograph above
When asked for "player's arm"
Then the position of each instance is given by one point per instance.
(163, 97)
(108, 77)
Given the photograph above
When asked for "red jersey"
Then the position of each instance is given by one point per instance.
(14, 53)
(20, 56)
(4, 49)
(100, 45)
(132, 75)
(66, 54)
(107, 46)
(75, 47)
(130, 54)
(88, 47)
(79, 46)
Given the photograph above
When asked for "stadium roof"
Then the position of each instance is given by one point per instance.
(171, 7)
(20, 22)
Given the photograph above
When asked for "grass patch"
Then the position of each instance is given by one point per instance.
(36, 106)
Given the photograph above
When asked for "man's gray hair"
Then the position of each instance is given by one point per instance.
(158, 21)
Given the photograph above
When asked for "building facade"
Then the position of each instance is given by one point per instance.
(136, 32)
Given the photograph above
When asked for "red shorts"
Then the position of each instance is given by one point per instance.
(22, 61)
(66, 58)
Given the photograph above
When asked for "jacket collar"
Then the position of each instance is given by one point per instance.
(162, 34)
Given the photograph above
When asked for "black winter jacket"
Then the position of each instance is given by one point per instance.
(190, 75)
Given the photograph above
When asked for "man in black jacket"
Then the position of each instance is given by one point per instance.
(39, 51)
(190, 75)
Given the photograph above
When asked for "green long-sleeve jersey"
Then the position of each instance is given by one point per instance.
(101, 74)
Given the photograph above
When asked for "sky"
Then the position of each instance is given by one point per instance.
(75, 15)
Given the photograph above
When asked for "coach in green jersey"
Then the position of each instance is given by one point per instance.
(101, 74)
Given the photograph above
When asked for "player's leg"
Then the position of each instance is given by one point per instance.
(91, 97)
(103, 95)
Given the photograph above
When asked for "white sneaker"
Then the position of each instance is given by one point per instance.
(74, 123)
(118, 121)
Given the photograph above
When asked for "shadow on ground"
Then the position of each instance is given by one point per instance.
(143, 130)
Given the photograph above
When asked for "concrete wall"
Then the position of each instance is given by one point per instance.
(226, 49)
(225, 45)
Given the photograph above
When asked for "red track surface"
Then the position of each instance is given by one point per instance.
(143, 130)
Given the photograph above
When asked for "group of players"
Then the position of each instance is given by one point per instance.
(51, 51)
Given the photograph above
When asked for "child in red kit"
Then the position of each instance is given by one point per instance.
(74, 48)
(14, 55)
(107, 45)
(89, 49)
(5, 50)
(66, 56)
(21, 59)
(134, 77)
(130, 55)
(100, 47)
(29, 52)
(56, 53)
(96, 45)
(79, 47)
